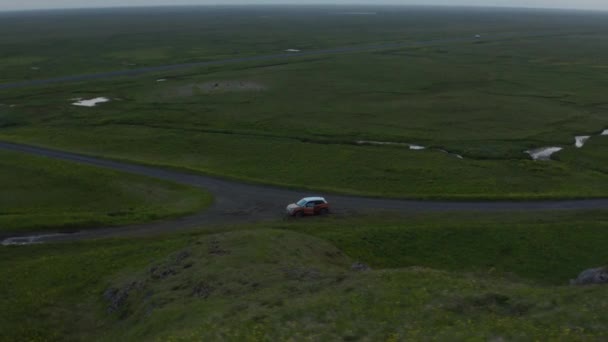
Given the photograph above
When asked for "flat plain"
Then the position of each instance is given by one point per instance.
(533, 80)
(449, 116)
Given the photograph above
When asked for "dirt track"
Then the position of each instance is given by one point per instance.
(236, 202)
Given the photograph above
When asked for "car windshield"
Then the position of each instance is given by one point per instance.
(301, 203)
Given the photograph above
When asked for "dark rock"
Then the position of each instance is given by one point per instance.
(359, 267)
(181, 256)
(117, 298)
(162, 272)
(159, 272)
(202, 290)
(592, 276)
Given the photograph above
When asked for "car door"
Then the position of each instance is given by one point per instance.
(318, 206)
(309, 208)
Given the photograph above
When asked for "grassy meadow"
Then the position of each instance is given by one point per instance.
(39, 194)
(286, 122)
(534, 79)
(66, 42)
(496, 276)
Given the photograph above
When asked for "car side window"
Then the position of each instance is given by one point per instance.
(310, 204)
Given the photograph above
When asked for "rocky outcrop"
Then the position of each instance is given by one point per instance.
(359, 267)
(592, 276)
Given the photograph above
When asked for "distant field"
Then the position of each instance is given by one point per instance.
(296, 122)
(463, 277)
(39, 193)
(59, 43)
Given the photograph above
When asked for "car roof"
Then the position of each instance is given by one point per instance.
(310, 199)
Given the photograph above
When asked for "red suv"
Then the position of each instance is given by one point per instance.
(308, 206)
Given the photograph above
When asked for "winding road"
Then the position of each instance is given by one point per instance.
(236, 202)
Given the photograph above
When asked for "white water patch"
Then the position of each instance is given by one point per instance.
(410, 146)
(389, 143)
(91, 102)
(581, 140)
(452, 154)
(292, 50)
(35, 68)
(161, 80)
(543, 153)
(605, 132)
(368, 142)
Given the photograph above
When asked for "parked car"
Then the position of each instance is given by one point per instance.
(308, 206)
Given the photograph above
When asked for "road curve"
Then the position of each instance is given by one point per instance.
(236, 202)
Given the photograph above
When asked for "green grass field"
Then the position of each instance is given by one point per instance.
(433, 277)
(287, 122)
(534, 79)
(82, 41)
(39, 194)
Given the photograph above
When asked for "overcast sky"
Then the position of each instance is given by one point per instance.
(39, 4)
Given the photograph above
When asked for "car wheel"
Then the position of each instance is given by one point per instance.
(299, 214)
(323, 211)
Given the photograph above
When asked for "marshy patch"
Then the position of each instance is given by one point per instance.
(459, 156)
(389, 143)
(217, 87)
(543, 153)
(89, 102)
(580, 141)
(412, 147)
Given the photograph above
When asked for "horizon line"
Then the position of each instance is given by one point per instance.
(498, 7)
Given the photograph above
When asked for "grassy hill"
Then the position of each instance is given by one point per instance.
(271, 281)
